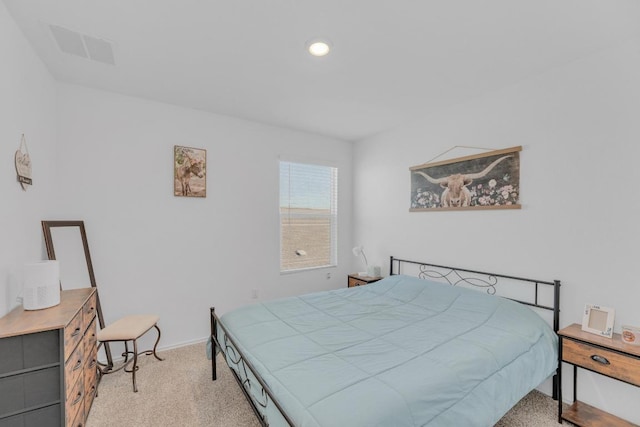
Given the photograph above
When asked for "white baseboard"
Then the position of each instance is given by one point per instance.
(161, 348)
(183, 343)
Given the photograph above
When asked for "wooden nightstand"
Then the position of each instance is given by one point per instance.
(607, 356)
(356, 280)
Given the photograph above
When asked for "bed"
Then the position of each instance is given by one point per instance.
(416, 348)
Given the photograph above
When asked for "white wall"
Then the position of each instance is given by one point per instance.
(176, 256)
(579, 177)
(27, 105)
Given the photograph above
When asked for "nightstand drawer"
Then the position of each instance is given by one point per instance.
(610, 363)
(358, 280)
(355, 282)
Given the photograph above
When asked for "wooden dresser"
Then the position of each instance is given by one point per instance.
(48, 360)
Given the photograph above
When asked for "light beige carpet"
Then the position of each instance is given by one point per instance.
(175, 392)
(179, 392)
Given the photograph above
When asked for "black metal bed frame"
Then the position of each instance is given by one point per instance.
(453, 275)
(229, 348)
(486, 280)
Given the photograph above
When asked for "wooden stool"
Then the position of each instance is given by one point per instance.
(129, 328)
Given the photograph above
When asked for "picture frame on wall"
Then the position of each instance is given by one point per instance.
(489, 180)
(598, 320)
(189, 171)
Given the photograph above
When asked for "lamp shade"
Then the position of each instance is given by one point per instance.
(359, 250)
(41, 285)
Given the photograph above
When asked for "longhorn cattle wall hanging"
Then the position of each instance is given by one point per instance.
(485, 181)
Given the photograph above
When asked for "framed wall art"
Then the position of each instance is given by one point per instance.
(489, 180)
(190, 171)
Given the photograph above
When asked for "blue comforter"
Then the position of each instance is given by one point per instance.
(399, 352)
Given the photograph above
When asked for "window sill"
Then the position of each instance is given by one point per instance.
(303, 270)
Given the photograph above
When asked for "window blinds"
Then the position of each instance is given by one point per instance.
(308, 216)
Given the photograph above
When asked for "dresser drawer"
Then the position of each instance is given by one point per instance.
(90, 338)
(91, 360)
(73, 369)
(75, 404)
(610, 363)
(90, 382)
(45, 417)
(78, 422)
(89, 310)
(73, 334)
(91, 365)
(31, 389)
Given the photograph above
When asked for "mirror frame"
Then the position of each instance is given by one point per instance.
(51, 254)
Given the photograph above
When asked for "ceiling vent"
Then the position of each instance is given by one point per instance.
(83, 45)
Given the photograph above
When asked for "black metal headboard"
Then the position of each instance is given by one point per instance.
(455, 276)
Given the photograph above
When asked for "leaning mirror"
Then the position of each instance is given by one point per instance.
(66, 241)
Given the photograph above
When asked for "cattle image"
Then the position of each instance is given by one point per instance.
(487, 181)
(189, 172)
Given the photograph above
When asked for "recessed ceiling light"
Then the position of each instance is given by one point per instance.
(318, 47)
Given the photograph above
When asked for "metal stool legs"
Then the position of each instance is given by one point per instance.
(135, 356)
(106, 369)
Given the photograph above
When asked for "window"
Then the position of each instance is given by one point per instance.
(308, 216)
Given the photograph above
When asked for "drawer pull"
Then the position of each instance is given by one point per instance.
(78, 399)
(75, 332)
(600, 359)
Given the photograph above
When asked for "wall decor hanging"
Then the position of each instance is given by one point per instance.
(489, 180)
(190, 171)
(23, 164)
